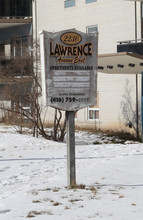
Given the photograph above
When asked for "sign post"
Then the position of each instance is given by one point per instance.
(71, 170)
(69, 66)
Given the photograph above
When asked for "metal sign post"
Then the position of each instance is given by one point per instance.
(71, 169)
(69, 79)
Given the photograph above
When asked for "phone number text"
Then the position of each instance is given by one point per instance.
(68, 99)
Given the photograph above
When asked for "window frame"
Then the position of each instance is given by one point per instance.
(66, 5)
(91, 26)
(90, 1)
(96, 109)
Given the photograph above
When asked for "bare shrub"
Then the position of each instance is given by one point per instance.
(21, 93)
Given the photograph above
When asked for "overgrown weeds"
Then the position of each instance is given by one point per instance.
(33, 214)
(75, 186)
(121, 135)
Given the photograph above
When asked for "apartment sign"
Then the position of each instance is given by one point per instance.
(69, 66)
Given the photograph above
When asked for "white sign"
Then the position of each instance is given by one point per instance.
(69, 66)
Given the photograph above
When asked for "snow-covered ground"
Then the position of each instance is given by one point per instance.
(33, 180)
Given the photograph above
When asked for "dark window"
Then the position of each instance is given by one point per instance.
(15, 8)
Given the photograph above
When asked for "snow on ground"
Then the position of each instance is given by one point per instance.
(33, 180)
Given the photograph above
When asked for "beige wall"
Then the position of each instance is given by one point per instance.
(115, 19)
(113, 94)
(116, 22)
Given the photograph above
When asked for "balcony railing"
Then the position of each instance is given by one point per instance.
(134, 46)
(15, 17)
(130, 41)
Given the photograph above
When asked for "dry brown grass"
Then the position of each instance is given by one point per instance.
(75, 186)
(32, 214)
(93, 190)
(56, 203)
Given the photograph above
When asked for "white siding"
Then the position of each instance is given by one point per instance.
(116, 22)
(115, 19)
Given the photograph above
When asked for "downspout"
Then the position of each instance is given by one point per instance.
(137, 107)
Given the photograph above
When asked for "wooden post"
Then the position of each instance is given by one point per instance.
(71, 170)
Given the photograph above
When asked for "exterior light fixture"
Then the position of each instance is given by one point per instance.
(131, 65)
(100, 67)
(110, 67)
(120, 66)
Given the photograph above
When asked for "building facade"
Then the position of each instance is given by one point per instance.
(16, 34)
(115, 21)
